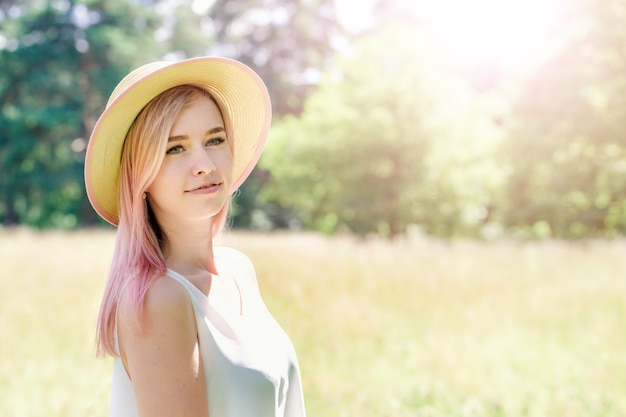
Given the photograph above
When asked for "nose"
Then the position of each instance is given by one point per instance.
(202, 163)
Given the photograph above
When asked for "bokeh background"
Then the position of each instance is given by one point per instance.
(473, 118)
(438, 218)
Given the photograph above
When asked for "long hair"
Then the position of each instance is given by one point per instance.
(138, 257)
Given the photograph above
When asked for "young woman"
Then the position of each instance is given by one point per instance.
(184, 319)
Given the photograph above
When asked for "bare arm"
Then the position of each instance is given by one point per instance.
(163, 360)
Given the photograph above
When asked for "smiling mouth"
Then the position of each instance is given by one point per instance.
(205, 187)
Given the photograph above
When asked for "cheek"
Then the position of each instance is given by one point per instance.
(226, 163)
(160, 181)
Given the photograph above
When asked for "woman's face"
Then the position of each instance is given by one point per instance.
(195, 178)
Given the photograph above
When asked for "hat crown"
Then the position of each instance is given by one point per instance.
(133, 77)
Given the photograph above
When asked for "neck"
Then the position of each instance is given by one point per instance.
(189, 251)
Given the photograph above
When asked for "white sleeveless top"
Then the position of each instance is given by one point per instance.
(251, 368)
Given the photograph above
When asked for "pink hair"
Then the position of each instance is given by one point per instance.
(138, 259)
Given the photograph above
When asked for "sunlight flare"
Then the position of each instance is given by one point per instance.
(492, 32)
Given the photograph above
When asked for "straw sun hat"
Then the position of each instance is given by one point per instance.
(241, 96)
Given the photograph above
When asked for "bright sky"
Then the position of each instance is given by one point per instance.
(503, 33)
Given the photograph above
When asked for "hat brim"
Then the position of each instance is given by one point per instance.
(240, 93)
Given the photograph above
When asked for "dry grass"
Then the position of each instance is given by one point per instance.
(423, 328)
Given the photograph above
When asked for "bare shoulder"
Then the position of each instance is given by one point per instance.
(162, 356)
(167, 316)
(165, 299)
(166, 296)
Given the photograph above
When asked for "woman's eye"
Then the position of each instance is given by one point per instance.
(215, 141)
(174, 150)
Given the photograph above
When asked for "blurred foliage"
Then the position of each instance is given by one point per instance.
(55, 66)
(376, 131)
(288, 42)
(395, 143)
(566, 141)
(360, 147)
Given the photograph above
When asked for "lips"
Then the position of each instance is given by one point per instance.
(205, 188)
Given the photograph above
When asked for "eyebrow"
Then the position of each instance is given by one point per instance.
(209, 132)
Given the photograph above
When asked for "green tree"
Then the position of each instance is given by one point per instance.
(286, 41)
(358, 156)
(567, 138)
(59, 60)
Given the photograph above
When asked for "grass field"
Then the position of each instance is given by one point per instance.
(422, 328)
